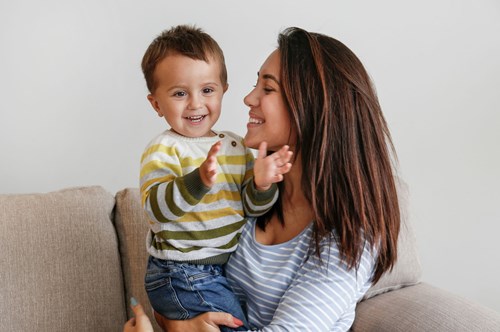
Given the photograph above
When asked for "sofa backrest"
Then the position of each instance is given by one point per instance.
(70, 260)
(59, 262)
(407, 270)
(132, 227)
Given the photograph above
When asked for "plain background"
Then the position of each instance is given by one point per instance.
(73, 108)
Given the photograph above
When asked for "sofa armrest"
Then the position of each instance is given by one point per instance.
(423, 307)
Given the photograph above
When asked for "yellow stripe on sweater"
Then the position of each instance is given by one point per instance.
(168, 150)
(209, 215)
(155, 165)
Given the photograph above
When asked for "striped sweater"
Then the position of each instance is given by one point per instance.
(190, 222)
(285, 287)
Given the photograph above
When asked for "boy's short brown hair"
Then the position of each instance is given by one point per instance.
(185, 40)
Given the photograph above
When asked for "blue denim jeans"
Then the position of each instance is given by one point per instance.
(181, 291)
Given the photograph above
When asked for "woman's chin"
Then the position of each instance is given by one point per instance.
(250, 143)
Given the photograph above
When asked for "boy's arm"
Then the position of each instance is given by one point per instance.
(257, 202)
(167, 194)
(260, 192)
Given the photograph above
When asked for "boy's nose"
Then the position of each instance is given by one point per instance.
(194, 103)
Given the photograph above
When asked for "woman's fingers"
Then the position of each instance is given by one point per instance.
(222, 318)
(139, 323)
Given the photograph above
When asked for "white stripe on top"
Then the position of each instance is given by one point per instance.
(285, 287)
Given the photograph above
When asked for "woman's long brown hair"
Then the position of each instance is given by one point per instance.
(345, 145)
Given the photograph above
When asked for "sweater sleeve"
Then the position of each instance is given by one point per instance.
(323, 296)
(166, 193)
(256, 202)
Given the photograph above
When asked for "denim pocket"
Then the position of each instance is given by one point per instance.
(196, 273)
(155, 280)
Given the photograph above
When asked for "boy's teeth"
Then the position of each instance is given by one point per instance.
(256, 121)
(196, 118)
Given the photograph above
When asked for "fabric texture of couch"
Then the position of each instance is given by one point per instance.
(71, 259)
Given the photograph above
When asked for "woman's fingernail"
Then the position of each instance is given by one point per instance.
(237, 321)
(133, 301)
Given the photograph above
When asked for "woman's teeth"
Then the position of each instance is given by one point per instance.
(256, 121)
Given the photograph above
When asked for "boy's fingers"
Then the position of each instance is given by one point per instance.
(211, 161)
(285, 168)
(212, 166)
(262, 150)
(285, 155)
(214, 149)
(212, 173)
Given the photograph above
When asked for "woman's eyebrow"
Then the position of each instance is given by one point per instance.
(269, 77)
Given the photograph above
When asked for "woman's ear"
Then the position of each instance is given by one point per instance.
(155, 105)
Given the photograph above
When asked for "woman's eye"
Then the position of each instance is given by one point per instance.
(268, 90)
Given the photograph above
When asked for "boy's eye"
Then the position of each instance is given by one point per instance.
(179, 94)
(208, 90)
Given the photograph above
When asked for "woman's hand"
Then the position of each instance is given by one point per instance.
(139, 323)
(207, 322)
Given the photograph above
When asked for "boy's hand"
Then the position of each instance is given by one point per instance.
(270, 169)
(208, 169)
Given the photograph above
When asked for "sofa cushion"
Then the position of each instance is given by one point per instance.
(424, 308)
(60, 266)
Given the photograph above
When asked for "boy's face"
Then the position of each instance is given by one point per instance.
(188, 94)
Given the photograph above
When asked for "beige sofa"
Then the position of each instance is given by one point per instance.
(70, 260)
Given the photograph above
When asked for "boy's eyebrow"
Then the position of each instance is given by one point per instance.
(181, 86)
(269, 77)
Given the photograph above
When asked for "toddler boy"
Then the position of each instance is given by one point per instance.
(196, 183)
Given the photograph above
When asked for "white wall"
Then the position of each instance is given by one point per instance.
(73, 109)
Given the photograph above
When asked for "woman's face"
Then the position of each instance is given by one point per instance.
(269, 118)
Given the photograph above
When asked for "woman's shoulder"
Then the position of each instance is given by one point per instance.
(331, 254)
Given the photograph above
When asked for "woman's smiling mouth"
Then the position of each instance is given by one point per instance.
(255, 121)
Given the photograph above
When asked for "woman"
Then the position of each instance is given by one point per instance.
(333, 232)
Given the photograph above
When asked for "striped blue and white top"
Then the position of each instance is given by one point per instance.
(285, 287)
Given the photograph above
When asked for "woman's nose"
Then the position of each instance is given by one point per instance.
(250, 99)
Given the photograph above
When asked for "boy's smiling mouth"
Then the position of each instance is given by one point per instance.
(197, 118)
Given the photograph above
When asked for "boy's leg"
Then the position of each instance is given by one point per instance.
(182, 290)
(162, 294)
(215, 293)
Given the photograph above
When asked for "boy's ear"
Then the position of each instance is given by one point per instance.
(225, 88)
(154, 104)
